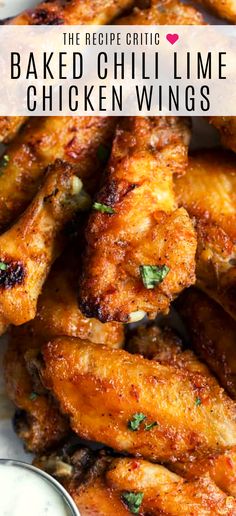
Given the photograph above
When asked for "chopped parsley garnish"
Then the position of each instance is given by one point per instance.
(33, 396)
(103, 208)
(4, 160)
(132, 500)
(103, 153)
(136, 420)
(3, 266)
(152, 275)
(150, 426)
(198, 401)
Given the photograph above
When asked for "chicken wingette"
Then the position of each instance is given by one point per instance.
(213, 335)
(226, 126)
(140, 246)
(102, 485)
(165, 347)
(163, 492)
(31, 245)
(208, 193)
(58, 312)
(82, 141)
(139, 406)
(223, 8)
(37, 421)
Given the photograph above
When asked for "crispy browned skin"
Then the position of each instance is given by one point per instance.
(58, 312)
(74, 139)
(72, 12)
(167, 12)
(9, 126)
(165, 347)
(28, 249)
(165, 492)
(101, 389)
(213, 335)
(227, 129)
(145, 228)
(38, 423)
(208, 192)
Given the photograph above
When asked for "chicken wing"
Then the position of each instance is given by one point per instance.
(163, 12)
(38, 421)
(226, 126)
(28, 249)
(165, 347)
(208, 192)
(96, 481)
(139, 406)
(213, 335)
(140, 247)
(9, 126)
(58, 313)
(82, 141)
(163, 492)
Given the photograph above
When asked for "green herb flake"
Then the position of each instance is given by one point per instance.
(3, 266)
(33, 396)
(103, 208)
(198, 401)
(4, 160)
(152, 275)
(132, 500)
(150, 426)
(103, 153)
(136, 421)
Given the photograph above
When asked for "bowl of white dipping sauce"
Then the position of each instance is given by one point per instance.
(28, 491)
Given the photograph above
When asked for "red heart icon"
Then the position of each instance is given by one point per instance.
(172, 38)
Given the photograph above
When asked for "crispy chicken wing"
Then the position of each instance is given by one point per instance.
(163, 12)
(141, 250)
(38, 422)
(106, 391)
(96, 481)
(208, 192)
(9, 126)
(82, 141)
(165, 347)
(28, 249)
(226, 126)
(165, 492)
(58, 313)
(213, 335)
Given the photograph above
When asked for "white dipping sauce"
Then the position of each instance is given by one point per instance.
(25, 492)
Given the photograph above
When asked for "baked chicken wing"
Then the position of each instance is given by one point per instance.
(165, 347)
(139, 406)
(208, 192)
(223, 8)
(213, 335)
(82, 141)
(140, 246)
(28, 249)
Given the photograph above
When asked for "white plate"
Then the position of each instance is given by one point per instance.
(10, 445)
